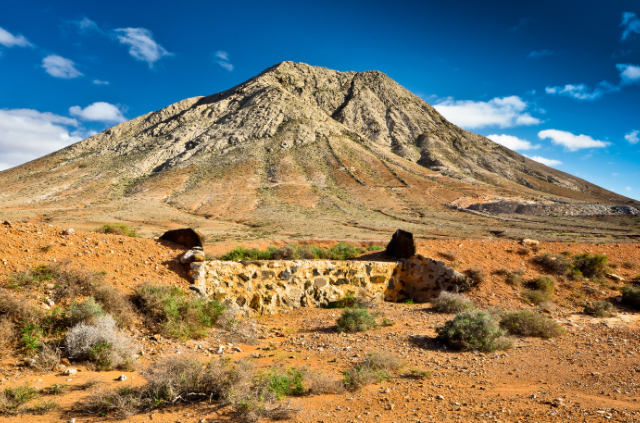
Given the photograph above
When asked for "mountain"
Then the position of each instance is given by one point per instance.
(296, 151)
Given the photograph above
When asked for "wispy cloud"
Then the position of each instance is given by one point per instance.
(571, 141)
(582, 91)
(629, 74)
(86, 25)
(630, 24)
(222, 58)
(632, 137)
(59, 67)
(7, 39)
(540, 53)
(141, 44)
(521, 22)
(27, 134)
(100, 82)
(628, 188)
(545, 161)
(513, 143)
(98, 112)
(502, 112)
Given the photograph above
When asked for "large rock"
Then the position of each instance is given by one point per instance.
(189, 238)
(401, 245)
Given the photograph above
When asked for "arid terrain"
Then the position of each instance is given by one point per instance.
(589, 373)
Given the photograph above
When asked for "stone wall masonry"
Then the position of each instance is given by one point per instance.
(265, 287)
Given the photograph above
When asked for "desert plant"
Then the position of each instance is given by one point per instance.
(543, 283)
(629, 265)
(31, 337)
(86, 311)
(449, 255)
(47, 358)
(382, 360)
(473, 330)
(44, 406)
(34, 278)
(523, 251)
(600, 309)
(284, 382)
(101, 343)
(449, 302)
(557, 264)
(321, 383)
(514, 280)
(591, 265)
(13, 400)
(375, 368)
(631, 296)
(116, 229)
(114, 303)
(536, 297)
(356, 320)
(476, 274)
(340, 251)
(177, 314)
(530, 323)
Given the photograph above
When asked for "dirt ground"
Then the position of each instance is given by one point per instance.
(591, 373)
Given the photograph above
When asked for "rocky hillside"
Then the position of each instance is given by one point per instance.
(293, 144)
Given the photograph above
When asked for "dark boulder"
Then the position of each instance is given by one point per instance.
(187, 237)
(401, 245)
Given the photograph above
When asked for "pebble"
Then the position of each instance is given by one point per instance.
(122, 378)
(70, 371)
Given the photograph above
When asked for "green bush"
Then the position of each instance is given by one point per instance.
(600, 309)
(86, 311)
(631, 296)
(356, 320)
(116, 230)
(473, 330)
(285, 383)
(557, 264)
(449, 302)
(530, 323)
(591, 265)
(34, 278)
(176, 314)
(31, 338)
(12, 400)
(536, 297)
(341, 251)
(543, 283)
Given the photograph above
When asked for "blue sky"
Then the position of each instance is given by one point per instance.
(558, 81)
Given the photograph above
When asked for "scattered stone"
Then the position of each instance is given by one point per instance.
(71, 371)
(615, 277)
(530, 242)
(401, 245)
(187, 237)
(68, 231)
(122, 378)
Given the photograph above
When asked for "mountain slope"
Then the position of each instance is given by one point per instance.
(293, 145)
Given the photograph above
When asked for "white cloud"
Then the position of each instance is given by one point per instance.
(7, 39)
(224, 59)
(632, 137)
(141, 44)
(629, 74)
(59, 67)
(582, 92)
(546, 162)
(513, 143)
(570, 141)
(27, 134)
(630, 23)
(503, 112)
(628, 188)
(540, 53)
(86, 24)
(98, 112)
(99, 82)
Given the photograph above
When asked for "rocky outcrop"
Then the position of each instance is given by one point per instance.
(187, 237)
(401, 245)
(264, 287)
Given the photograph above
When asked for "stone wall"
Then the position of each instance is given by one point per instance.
(264, 287)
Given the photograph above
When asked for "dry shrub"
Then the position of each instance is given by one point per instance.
(48, 358)
(524, 251)
(600, 309)
(237, 331)
(543, 283)
(473, 330)
(8, 335)
(375, 368)
(530, 323)
(449, 255)
(321, 384)
(631, 296)
(384, 361)
(356, 320)
(449, 302)
(13, 400)
(123, 402)
(536, 297)
(591, 265)
(115, 303)
(101, 343)
(87, 311)
(629, 265)
(476, 274)
(557, 264)
(17, 311)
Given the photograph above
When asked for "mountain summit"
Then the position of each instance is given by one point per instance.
(291, 148)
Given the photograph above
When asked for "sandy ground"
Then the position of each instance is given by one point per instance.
(589, 374)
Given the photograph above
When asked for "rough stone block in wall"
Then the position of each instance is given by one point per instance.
(264, 287)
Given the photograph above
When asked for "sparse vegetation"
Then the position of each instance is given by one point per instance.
(175, 313)
(530, 323)
(535, 297)
(557, 264)
(356, 320)
(116, 229)
(631, 296)
(376, 368)
(449, 302)
(449, 255)
(476, 274)
(591, 265)
(543, 283)
(86, 311)
(341, 251)
(629, 265)
(600, 309)
(33, 278)
(13, 400)
(473, 330)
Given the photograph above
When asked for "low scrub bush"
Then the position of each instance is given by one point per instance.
(47, 358)
(114, 303)
(449, 302)
(629, 265)
(476, 274)
(44, 407)
(7, 336)
(356, 320)
(536, 297)
(557, 264)
(600, 309)
(543, 283)
(473, 330)
(631, 296)
(591, 265)
(448, 255)
(102, 344)
(530, 323)
(341, 251)
(34, 278)
(116, 230)
(86, 311)
(177, 314)
(13, 400)
(31, 337)
(376, 368)
(321, 384)
(284, 382)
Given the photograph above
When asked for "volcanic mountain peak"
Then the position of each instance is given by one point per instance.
(292, 142)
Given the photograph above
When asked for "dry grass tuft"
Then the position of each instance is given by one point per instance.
(449, 302)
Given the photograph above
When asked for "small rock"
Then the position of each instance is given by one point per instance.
(72, 420)
(122, 378)
(440, 397)
(529, 242)
(71, 371)
(65, 361)
(237, 349)
(615, 277)
(68, 231)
